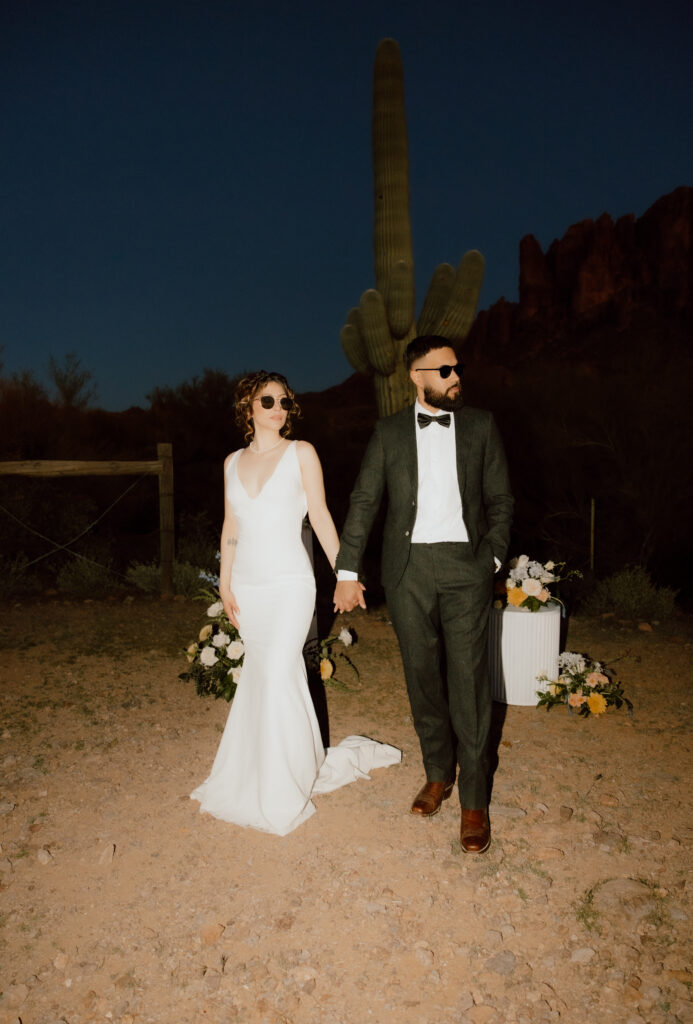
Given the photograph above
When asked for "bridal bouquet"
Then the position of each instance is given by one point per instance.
(584, 685)
(216, 657)
(321, 658)
(528, 582)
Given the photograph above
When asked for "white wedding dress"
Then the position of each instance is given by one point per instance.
(270, 759)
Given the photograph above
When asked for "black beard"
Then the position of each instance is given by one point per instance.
(442, 400)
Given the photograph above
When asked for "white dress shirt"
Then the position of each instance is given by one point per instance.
(438, 501)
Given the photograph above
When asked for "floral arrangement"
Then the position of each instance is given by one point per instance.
(527, 585)
(216, 657)
(321, 658)
(584, 685)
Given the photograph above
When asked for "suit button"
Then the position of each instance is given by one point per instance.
(406, 533)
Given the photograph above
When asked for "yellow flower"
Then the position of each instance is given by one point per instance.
(326, 668)
(516, 596)
(206, 631)
(596, 703)
(190, 653)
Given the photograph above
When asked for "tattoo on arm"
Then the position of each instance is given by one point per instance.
(232, 542)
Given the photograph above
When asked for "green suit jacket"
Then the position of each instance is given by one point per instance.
(390, 464)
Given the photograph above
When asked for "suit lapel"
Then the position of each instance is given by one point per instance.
(411, 463)
(462, 440)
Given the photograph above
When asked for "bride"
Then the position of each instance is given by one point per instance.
(270, 759)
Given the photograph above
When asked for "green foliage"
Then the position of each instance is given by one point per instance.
(146, 576)
(630, 594)
(81, 578)
(198, 540)
(378, 331)
(15, 579)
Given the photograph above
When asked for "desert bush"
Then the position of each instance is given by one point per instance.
(83, 578)
(630, 594)
(146, 576)
(16, 580)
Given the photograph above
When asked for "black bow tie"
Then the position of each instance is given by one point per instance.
(423, 420)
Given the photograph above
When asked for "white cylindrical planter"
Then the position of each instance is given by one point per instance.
(522, 645)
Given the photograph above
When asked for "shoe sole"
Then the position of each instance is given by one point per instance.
(429, 814)
(472, 852)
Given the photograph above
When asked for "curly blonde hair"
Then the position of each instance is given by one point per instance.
(247, 391)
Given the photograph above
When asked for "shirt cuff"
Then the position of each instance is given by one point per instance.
(498, 563)
(346, 575)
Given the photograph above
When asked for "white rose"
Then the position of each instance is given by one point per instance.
(346, 637)
(522, 561)
(235, 650)
(208, 657)
(235, 673)
(531, 587)
(215, 609)
(221, 639)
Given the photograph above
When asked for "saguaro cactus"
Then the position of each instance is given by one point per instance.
(377, 332)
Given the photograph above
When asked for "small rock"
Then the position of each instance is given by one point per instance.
(61, 961)
(107, 854)
(15, 995)
(549, 853)
(645, 627)
(565, 812)
(44, 856)
(582, 956)
(502, 963)
(6, 806)
(608, 800)
(424, 956)
(504, 811)
(211, 933)
(542, 807)
(212, 981)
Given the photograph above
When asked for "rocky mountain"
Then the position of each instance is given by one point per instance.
(603, 287)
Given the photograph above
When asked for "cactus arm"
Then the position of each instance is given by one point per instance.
(437, 298)
(376, 332)
(461, 307)
(355, 349)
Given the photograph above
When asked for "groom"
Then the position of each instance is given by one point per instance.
(446, 533)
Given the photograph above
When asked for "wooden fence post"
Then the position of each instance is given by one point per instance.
(166, 518)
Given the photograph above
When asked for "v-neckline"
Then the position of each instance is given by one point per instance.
(279, 462)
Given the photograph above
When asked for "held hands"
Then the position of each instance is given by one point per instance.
(230, 607)
(348, 594)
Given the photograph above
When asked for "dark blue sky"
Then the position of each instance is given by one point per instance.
(188, 184)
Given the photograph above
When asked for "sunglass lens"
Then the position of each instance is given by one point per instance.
(267, 402)
(286, 403)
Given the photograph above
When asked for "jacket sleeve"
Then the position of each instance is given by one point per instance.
(497, 496)
(363, 505)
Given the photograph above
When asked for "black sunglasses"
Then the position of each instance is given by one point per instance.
(444, 371)
(267, 402)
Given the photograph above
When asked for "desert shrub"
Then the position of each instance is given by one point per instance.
(630, 594)
(198, 540)
(82, 578)
(16, 580)
(146, 576)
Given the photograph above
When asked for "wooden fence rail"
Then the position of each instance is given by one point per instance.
(161, 467)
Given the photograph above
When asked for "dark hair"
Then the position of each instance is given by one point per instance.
(424, 344)
(247, 390)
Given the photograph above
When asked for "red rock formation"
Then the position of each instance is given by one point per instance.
(602, 278)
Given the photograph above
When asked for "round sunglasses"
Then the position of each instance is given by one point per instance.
(444, 370)
(267, 402)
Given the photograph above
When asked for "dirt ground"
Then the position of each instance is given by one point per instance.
(120, 902)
